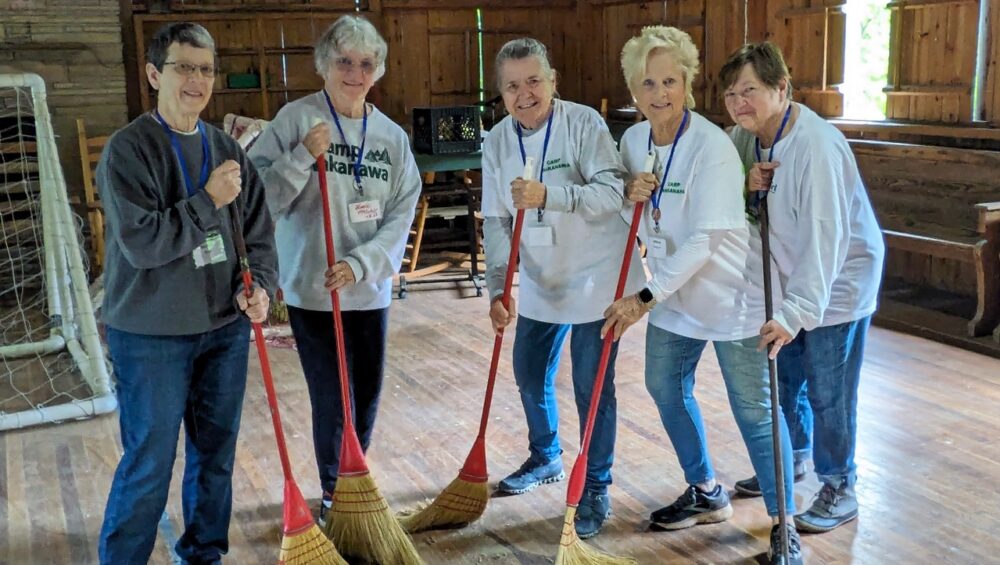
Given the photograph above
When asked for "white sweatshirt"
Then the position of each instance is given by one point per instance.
(571, 280)
(825, 239)
(707, 273)
(370, 229)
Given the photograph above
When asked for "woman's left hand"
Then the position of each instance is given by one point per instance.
(622, 314)
(774, 334)
(527, 193)
(338, 276)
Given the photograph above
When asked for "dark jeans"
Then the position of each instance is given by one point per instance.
(161, 381)
(364, 346)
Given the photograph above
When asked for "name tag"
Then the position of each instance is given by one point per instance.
(540, 236)
(657, 248)
(365, 211)
(211, 251)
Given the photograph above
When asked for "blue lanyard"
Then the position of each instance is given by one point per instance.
(545, 149)
(206, 155)
(777, 138)
(654, 199)
(364, 135)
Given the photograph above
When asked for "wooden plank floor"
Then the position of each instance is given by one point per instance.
(928, 457)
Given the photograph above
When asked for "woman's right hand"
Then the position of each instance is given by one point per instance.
(760, 176)
(501, 317)
(641, 187)
(317, 140)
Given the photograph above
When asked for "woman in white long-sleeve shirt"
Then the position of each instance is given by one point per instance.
(828, 250)
(374, 185)
(706, 283)
(571, 252)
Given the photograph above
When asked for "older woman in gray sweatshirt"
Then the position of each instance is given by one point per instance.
(374, 185)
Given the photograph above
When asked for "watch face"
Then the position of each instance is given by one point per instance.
(645, 295)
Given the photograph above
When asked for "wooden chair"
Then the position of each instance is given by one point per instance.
(90, 154)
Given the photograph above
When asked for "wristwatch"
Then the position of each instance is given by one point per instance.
(646, 297)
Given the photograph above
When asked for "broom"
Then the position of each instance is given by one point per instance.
(464, 500)
(302, 541)
(572, 550)
(360, 522)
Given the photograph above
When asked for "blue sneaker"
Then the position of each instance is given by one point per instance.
(531, 474)
(593, 511)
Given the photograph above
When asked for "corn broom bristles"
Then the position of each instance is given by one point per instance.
(572, 550)
(361, 525)
(308, 547)
(461, 503)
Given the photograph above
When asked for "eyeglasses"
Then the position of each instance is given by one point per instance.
(187, 69)
(346, 65)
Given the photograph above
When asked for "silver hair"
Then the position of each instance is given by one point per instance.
(523, 48)
(184, 33)
(350, 33)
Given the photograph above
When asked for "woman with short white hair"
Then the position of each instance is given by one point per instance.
(706, 280)
(374, 186)
(571, 253)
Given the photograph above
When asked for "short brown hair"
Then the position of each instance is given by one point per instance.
(767, 62)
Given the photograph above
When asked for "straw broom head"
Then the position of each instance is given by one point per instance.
(572, 550)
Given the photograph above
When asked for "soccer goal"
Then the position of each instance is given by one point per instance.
(52, 366)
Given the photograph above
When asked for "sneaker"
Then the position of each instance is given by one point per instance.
(833, 507)
(531, 474)
(694, 507)
(751, 487)
(593, 511)
(794, 547)
(324, 507)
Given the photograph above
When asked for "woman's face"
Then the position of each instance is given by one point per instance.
(660, 93)
(527, 92)
(751, 103)
(351, 75)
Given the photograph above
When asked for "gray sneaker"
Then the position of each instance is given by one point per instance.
(833, 507)
(531, 474)
(751, 487)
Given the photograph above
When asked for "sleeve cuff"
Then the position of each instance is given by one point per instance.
(660, 294)
(557, 199)
(792, 329)
(204, 210)
(356, 268)
(302, 157)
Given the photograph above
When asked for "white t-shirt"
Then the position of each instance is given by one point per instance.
(707, 273)
(573, 279)
(825, 239)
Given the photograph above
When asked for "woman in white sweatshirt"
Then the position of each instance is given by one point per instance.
(828, 249)
(374, 185)
(706, 283)
(570, 256)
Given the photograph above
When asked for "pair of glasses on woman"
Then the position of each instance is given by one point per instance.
(346, 65)
(188, 69)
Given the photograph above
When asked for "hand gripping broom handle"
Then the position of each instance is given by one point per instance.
(474, 469)
(772, 366)
(576, 481)
(265, 364)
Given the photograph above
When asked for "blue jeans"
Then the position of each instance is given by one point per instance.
(537, 346)
(364, 350)
(819, 373)
(162, 381)
(671, 360)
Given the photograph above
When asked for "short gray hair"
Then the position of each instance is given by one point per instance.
(350, 33)
(523, 48)
(677, 44)
(184, 33)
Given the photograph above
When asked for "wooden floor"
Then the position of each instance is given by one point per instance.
(928, 458)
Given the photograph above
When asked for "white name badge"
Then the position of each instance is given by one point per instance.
(540, 236)
(366, 211)
(657, 248)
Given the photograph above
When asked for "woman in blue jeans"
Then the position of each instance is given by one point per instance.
(706, 280)
(571, 252)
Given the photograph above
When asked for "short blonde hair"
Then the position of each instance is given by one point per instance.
(675, 42)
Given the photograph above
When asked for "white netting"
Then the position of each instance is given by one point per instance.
(52, 367)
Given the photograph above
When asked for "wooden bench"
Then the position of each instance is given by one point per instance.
(940, 218)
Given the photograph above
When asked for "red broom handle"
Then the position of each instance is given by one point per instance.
(265, 363)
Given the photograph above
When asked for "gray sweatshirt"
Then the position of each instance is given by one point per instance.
(372, 243)
(152, 284)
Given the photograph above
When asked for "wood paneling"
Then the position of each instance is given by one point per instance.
(926, 419)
